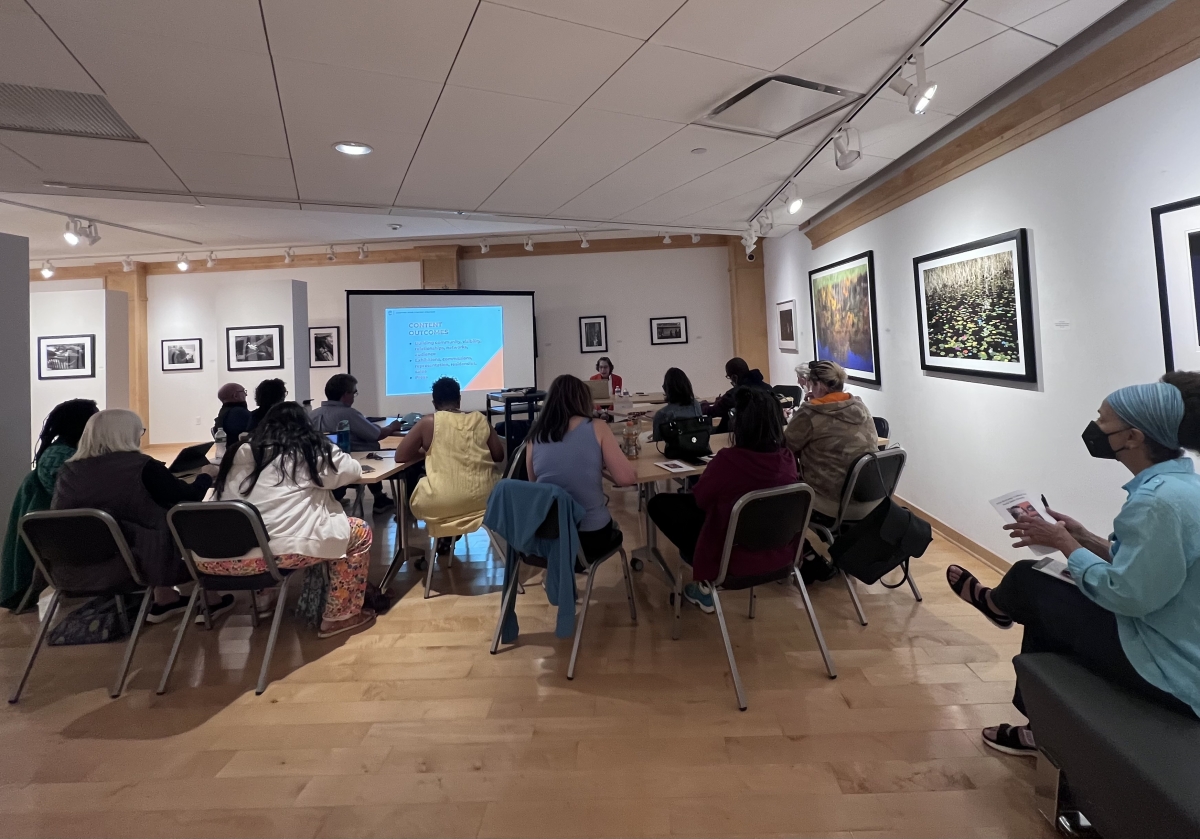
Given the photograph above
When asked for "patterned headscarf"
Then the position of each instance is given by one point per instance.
(1155, 409)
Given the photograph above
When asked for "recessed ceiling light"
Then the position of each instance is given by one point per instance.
(699, 150)
(352, 148)
(47, 270)
(395, 226)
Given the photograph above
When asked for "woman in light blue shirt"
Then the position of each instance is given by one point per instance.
(1133, 615)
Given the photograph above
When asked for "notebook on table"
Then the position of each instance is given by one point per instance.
(191, 459)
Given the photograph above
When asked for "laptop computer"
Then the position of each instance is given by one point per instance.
(686, 439)
(600, 389)
(191, 459)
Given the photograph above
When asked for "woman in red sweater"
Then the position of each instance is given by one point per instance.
(604, 370)
(697, 522)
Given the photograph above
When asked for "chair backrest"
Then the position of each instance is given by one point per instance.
(80, 551)
(882, 427)
(766, 519)
(220, 530)
(872, 477)
(792, 392)
(517, 469)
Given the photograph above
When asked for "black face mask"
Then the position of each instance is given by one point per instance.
(1097, 442)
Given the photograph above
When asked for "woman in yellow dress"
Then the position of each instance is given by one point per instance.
(461, 455)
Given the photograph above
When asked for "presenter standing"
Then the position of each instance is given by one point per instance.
(604, 370)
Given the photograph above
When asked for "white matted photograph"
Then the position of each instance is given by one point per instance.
(668, 330)
(67, 357)
(254, 347)
(182, 354)
(324, 346)
(593, 334)
(786, 314)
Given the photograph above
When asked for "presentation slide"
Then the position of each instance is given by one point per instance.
(465, 343)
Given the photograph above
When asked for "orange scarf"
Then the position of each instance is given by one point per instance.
(839, 396)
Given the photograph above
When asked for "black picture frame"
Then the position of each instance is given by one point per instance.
(1160, 265)
(48, 372)
(176, 367)
(313, 333)
(855, 372)
(656, 338)
(275, 331)
(587, 335)
(1025, 368)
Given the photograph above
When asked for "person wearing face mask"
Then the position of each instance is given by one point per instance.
(1133, 616)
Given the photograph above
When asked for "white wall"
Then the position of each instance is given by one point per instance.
(1084, 192)
(628, 288)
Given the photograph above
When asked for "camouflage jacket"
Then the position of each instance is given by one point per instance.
(827, 437)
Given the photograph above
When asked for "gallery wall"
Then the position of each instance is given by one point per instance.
(1084, 192)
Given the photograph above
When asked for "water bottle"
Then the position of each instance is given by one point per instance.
(219, 448)
(343, 436)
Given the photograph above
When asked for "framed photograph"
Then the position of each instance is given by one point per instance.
(182, 354)
(845, 325)
(975, 311)
(785, 313)
(254, 347)
(668, 330)
(593, 334)
(1176, 229)
(324, 346)
(67, 357)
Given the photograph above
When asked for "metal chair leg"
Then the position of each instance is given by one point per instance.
(677, 624)
(628, 586)
(753, 601)
(275, 621)
(506, 598)
(737, 679)
(587, 597)
(913, 585)
(816, 627)
(37, 645)
(119, 685)
(862, 618)
(29, 592)
(429, 572)
(254, 621)
(187, 619)
(122, 616)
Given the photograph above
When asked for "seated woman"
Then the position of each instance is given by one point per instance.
(288, 471)
(109, 472)
(268, 394)
(461, 453)
(568, 448)
(828, 432)
(697, 522)
(604, 370)
(1133, 615)
(681, 402)
(59, 437)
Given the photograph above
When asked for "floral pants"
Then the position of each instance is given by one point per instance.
(347, 576)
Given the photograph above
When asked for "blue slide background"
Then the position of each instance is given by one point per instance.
(422, 345)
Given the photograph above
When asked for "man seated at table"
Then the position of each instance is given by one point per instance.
(365, 435)
(739, 374)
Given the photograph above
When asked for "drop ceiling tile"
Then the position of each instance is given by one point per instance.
(889, 130)
(589, 146)
(730, 214)
(323, 174)
(523, 54)
(474, 141)
(961, 32)
(971, 75)
(822, 173)
(855, 56)
(759, 33)
(31, 55)
(1062, 23)
(17, 174)
(225, 173)
(663, 83)
(666, 166)
(1012, 12)
(812, 134)
(636, 18)
(86, 161)
(413, 38)
(229, 24)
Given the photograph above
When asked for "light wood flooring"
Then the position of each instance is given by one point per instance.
(412, 729)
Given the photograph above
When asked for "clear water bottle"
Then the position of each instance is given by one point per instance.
(219, 448)
(343, 436)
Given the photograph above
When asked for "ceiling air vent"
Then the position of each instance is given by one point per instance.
(778, 105)
(44, 110)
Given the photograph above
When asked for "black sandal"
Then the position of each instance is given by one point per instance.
(1007, 738)
(978, 600)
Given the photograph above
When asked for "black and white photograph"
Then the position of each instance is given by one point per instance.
(182, 354)
(254, 347)
(324, 346)
(786, 314)
(668, 330)
(67, 357)
(593, 334)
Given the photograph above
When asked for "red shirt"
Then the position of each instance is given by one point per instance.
(730, 475)
(616, 380)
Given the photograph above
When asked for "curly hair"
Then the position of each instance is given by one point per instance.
(65, 424)
(757, 420)
(284, 434)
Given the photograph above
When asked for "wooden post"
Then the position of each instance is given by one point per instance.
(133, 283)
(748, 306)
(439, 265)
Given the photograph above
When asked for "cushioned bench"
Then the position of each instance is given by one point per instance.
(1133, 767)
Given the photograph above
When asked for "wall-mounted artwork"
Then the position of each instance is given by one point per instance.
(974, 309)
(182, 354)
(324, 346)
(67, 357)
(785, 313)
(1177, 259)
(593, 333)
(254, 347)
(845, 325)
(668, 330)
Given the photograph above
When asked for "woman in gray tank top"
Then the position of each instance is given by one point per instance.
(571, 450)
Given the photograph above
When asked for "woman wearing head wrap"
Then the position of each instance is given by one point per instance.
(1134, 611)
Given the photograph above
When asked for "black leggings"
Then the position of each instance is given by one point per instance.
(1059, 618)
(679, 518)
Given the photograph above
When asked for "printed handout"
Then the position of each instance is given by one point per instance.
(674, 466)
(1016, 504)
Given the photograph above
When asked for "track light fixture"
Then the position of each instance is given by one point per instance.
(695, 238)
(485, 246)
(330, 256)
(919, 91)
(289, 256)
(183, 264)
(127, 264)
(583, 241)
(666, 238)
(91, 233)
(71, 234)
(211, 262)
(847, 148)
(528, 243)
(749, 239)
(47, 270)
(363, 251)
(792, 199)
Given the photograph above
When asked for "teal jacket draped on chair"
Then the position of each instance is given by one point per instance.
(35, 493)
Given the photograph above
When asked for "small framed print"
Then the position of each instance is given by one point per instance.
(254, 347)
(668, 330)
(324, 346)
(786, 313)
(67, 357)
(182, 354)
(593, 334)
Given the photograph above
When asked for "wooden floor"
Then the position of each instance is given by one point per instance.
(412, 729)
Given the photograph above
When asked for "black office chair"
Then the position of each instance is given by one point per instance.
(764, 520)
(82, 553)
(225, 530)
(864, 487)
(882, 427)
